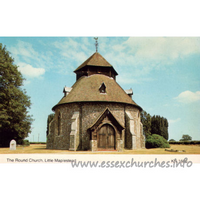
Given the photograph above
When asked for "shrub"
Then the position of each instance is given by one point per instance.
(26, 143)
(156, 141)
(23, 142)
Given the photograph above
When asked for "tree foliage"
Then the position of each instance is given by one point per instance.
(49, 119)
(156, 141)
(154, 125)
(155, 130)
(186, 138)
(159, 126)
(146, 121)
(15, 123)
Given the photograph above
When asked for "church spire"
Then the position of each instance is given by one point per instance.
(96, 43)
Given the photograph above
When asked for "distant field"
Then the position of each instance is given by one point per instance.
(41, 148)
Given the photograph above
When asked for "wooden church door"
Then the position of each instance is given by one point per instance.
(106, 137)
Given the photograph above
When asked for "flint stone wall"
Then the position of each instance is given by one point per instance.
(91, 111)
(88, 113)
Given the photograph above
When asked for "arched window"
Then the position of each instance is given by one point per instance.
(59, 123)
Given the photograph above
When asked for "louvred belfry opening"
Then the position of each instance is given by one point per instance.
(96, 64)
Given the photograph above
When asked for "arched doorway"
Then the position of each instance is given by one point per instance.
(106, 137)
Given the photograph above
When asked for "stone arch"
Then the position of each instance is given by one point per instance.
(106, 118)
(108, 124)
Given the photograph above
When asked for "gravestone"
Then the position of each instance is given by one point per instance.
(12, 145)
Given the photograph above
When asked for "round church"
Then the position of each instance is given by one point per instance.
(96, 113)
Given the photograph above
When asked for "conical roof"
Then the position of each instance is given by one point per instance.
(95, 60)
(86, 89)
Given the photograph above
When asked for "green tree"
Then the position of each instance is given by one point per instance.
(15, 123)
(154, 125)
(49, 119)
(159, 126)
(186, 138)
(146, 121)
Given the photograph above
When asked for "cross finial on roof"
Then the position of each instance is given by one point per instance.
(96, 43)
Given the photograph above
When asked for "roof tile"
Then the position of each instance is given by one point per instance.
(95, 60)
(86, 89)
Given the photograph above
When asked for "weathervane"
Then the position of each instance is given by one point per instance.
(96, 43)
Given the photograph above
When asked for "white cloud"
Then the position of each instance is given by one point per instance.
(73, 50)
(188, 97)
(172, 121)
(24, 49)
(118, 47)
(24, 52)
(126, 80)
(30, 71)
(144, 54)
(163, 48)
(26, 82)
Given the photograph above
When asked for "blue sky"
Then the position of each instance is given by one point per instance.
(163, 72)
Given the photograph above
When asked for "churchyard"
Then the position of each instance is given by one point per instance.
(41, 149)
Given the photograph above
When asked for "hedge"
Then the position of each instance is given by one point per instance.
(185, 142)
(26, 143)
(23, 142)
(37, 142)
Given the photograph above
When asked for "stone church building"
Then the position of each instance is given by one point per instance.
(96, 113)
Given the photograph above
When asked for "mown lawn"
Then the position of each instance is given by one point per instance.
(41, 149)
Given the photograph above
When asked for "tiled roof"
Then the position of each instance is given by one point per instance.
(86, 89)
(95, 60)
